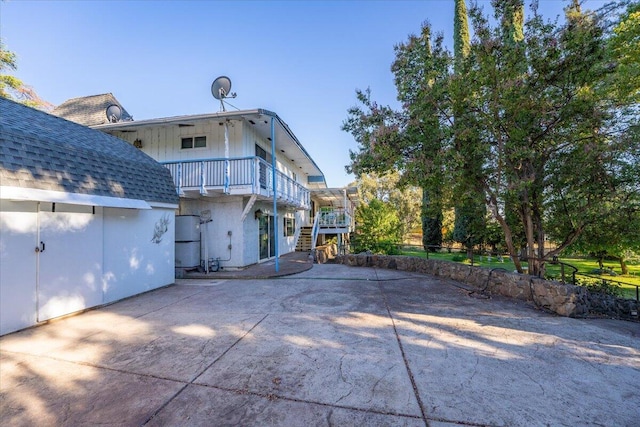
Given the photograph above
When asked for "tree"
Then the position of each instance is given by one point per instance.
(540, 139)
(378, 228)
(545, 129)
(616, 236)
(407, 140)
(624, 52)
(470, 212)
(12, 87)
(387, 188)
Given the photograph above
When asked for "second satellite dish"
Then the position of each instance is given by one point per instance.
(114, 113)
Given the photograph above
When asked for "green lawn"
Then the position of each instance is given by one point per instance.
(584, 266)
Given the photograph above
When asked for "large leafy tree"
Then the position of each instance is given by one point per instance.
(545, 127)
(408, 140)
(624, 52)
(378, 228)
(541, 140)
(406, 199)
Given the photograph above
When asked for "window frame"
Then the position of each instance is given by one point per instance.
(289, 227)
(193, 140)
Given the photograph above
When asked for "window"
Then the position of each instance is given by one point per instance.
(193, 142)
(289, 227)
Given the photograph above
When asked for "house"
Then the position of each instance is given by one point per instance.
(227, 167)
(85, 218)
(92, 110)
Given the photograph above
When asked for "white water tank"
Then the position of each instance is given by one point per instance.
(187, 228)
(187, 254)
(187, 241)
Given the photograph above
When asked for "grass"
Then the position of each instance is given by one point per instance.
(584, 265)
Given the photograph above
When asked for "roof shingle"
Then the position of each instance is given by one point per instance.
(90, 110)
(42, 151)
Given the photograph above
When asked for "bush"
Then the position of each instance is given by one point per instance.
(601, 287)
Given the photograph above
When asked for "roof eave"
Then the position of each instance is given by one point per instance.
(239, 114)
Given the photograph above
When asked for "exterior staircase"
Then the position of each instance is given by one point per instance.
(304, 240)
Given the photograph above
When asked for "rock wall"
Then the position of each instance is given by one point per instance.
(561, 298)
(324, 253)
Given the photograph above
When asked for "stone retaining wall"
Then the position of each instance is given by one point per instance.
(561, 298)
(324, 253)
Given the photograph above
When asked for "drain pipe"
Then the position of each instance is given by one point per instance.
(275, 189)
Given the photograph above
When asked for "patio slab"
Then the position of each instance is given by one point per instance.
(333, 345)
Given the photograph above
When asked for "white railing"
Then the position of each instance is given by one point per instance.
(249, 175)
(334, 218)
(314, 232)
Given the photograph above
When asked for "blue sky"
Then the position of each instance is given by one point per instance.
(301, 59)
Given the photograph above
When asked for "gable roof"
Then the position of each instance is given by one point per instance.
(90, 110)
(39, 151)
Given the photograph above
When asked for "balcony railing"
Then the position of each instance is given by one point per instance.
(248, 175)
(331, 221)
(334, 218)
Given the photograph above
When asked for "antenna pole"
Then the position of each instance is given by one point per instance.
(222, 94)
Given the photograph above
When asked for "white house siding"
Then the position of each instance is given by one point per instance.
(250, 229)
(91, 256)
(226, 213)
(139, 251)
(250, 139)
(163, 143)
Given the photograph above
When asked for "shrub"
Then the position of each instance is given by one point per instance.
(600, 287)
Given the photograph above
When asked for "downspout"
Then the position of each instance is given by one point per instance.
(226, 158)
(275, 188)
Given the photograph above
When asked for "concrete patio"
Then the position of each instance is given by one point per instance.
(333, 345)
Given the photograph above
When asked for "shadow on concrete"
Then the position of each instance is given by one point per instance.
(333, 344)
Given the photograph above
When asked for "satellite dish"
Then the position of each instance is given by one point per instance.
(221, 89)
(114, 113)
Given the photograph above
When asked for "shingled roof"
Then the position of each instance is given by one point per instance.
(90, 110)
(44, 152)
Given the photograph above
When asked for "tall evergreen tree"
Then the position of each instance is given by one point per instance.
(540, 131)
(470, 211)
(461, 37)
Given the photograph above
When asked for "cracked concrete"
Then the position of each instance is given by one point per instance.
(333, 345)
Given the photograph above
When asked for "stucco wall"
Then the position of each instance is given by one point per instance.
(226, 213)
(139, 253)
(561, 298)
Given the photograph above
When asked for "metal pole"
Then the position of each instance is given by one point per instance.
(275, 188)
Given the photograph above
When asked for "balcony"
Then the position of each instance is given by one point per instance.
(246, 176)
(334, 218)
